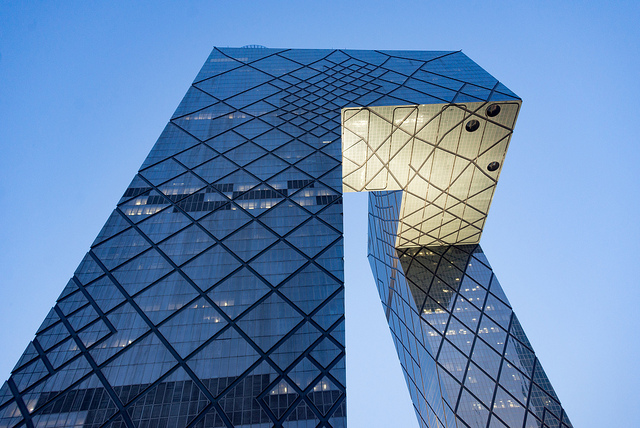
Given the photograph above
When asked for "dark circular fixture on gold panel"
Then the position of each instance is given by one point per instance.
(472, 125)
(493, 110)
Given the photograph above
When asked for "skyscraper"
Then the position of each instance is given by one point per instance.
(213, 296)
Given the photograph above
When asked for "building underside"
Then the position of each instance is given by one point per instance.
(214, 294)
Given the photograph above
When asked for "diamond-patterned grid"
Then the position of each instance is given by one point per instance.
(214, 294)
(441, 167)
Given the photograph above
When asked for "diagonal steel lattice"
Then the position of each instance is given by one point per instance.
(214, 295)
(426, 151)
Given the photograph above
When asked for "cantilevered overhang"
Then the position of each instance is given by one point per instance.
(446, 158)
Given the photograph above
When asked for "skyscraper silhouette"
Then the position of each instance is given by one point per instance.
(214, 294)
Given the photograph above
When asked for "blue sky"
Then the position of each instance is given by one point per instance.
(87, 87)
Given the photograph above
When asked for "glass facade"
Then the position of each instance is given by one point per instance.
(464, 354)
(214, 294)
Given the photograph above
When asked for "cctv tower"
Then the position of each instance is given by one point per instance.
(214, 294)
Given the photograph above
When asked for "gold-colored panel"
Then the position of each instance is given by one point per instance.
(439, 155)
